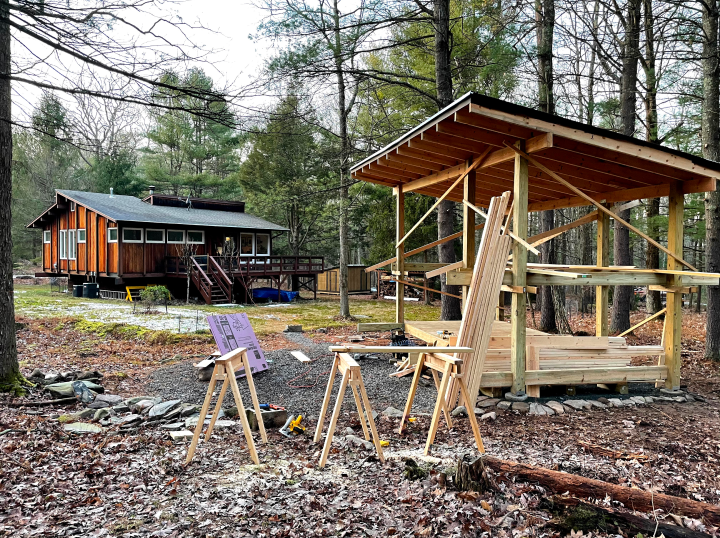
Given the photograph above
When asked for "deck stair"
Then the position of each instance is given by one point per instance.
(211, 280)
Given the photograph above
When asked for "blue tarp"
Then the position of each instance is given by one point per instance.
(272, 294)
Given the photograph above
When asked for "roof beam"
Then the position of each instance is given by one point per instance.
(420, 153)
(414, 161)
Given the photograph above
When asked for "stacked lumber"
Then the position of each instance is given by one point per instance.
(476, 327)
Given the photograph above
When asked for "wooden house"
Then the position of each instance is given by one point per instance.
(122, 240)
(359, 282)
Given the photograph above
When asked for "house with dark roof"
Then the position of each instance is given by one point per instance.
(121, 241)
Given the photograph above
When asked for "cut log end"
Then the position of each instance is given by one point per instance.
(472, 475)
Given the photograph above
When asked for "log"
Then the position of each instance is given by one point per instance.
(471, 475)
(42, 403)
(574, 514)
(634, 499)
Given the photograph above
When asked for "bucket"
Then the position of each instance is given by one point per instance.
(90, 290)
(78, 290)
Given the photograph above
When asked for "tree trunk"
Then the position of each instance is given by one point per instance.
(344, 169)
(547, 253)
(622, 297)
(9, 369)
(545, 22)
(711, 150)
(472, 475)
(450, 306)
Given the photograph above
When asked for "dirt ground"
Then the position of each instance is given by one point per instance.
(56, 484)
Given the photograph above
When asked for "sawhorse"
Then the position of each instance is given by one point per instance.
(351, 375)
(225, 368)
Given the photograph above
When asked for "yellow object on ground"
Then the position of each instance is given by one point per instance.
(129, 294)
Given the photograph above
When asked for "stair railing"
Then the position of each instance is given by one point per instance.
(202, 281)
(221, 277)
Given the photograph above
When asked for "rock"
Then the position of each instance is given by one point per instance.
(205, 374)
(504, 405)
(136, 399)
(94, 374)
(375, 414)
(220, 424)
(231, 412)
(359, 442)
(181, 435)
(161, 409)
(191, 409)
(121, 408)
(86, 413)
(173, 426)
(536, 409)
(82, 393)
(293, 329)
(679, 399)
(52, 378)
(321, 331)
(490, 402)
(519, 397)
(101, 414)
(37, 373)
(192, 421)
(111, 399)
(483, 398)
(578, 405)
(272, 418)
(98, 405)
(174, 414)
(143, 406)
(459, 411)
(604, 400)
(82, 427)
(671, 392)
(521, 407)
(129, 419)
(392, 412)
(598, 404)
(688, 398)
(615, 402)
(568, 409)
(649, 399)
(638, 399)
(349, 431)
(548, 410)
(65, 389)
(556, 406)
(489, 416)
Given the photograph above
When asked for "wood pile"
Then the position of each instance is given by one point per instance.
(387, 287)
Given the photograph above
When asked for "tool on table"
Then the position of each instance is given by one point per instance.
(398, 338)
(273, 407)
(293, 427)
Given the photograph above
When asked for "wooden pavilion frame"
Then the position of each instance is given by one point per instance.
(479, 147)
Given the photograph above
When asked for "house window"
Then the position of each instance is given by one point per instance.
(72, 244)
(262, 244)
(62, 242)
(176, 236)
(132, 235)
(196, 237)
(112, 235)
(247, 244)
(154, 236)
(72, 206)
(47, 236)
(81, 236)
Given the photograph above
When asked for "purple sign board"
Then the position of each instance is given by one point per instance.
(233, 331)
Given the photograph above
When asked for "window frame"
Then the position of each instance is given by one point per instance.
(241, 244)
(117, 235)
(136, 241)
(255, 244)
(72, 244)
(84, 239)
(161, 230)
(187, 237)
(167, 237)
(47, 237)
(73, 206)
(62, 243)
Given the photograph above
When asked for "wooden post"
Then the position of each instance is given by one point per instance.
(468, 227)
(519, 269)
(603, 260)
(673, 319)
(400, 255)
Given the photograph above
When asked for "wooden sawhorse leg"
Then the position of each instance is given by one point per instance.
(224, 371)
(351, 375)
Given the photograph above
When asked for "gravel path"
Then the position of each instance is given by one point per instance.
(180, 381)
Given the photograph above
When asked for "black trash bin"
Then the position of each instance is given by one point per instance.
(91, 290)
(78, 290)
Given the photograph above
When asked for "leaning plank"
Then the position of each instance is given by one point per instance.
(602, 208)
(444, 269)
(643, 322)
(580, 486)
(299, 355)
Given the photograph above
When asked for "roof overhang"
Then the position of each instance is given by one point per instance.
(606, 165)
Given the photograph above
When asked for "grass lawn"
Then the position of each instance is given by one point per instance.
(40, 302)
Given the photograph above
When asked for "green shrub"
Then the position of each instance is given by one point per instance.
(155, 294)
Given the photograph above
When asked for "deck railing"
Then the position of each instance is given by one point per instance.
(266, 265)
(202, 281)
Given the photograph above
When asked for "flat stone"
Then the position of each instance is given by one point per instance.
(220, 424)
(272, 418)
(519, 397)
(638, 399)
(136, 399)
(82, 427)
(98, 405)
(568, 409)
(489, 416)
(556, 406)
(174, 414)
(37, 373)
(598, 404)
(90, 374)
(671, 392)
(192, 421)
(490, 402)
(536, 409)
(191, 409)
(392, 412)
(483, 398)
(102, 413)
(649, 399)
(111, 399)
(65, 389)
(604, 400)
(293, 329)
(143, 406)
(679, 399)
(578, 405)
(349, 431)
(359, 442)
(615, 402)
(121, 408)
(459, 411)
(181, 435)
(86, 413)
(689, 398)
(522, 407)
(548, 410)
(130, 419)
(161, 409)
(504, 405)
(173, 426)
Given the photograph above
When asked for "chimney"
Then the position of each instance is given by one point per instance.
(151, 190)
(111, 192)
